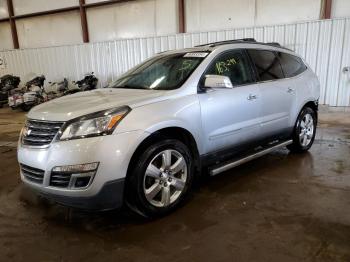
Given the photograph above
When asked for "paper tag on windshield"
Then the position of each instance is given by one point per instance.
(196, 54)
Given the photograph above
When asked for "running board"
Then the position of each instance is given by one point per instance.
(228, 165)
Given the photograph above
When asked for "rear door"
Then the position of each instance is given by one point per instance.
(293, 67)
(277, 93)
(230, 117)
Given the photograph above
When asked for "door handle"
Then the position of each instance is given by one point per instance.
(290, 90)
(251, 97)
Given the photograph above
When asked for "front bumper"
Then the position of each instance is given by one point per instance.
(113, 152)
(109, 197)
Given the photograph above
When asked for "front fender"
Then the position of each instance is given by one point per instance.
(182, 112)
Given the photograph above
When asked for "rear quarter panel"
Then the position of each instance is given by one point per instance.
(307, 88)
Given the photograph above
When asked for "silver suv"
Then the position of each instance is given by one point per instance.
(142, 140)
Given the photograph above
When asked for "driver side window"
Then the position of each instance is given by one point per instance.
(233, 64)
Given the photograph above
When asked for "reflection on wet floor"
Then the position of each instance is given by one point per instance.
(281, 207)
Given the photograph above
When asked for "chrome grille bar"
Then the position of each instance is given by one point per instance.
(40, 133)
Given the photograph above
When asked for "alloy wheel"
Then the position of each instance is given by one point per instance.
(165, 178)
(306, 130)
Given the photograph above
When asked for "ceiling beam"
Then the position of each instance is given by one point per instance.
(64, 9)
(49, 12)
(83, 19)
(13, 25)
(182, 17)
(109, 2)
(327, 9)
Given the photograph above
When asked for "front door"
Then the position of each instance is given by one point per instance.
(230, 116)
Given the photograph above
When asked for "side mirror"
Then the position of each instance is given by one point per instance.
(217, 81)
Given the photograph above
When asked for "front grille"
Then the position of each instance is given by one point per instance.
(32, 174)
(40, 133)
(60, 179)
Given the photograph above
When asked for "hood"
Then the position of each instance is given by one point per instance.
(82, 103)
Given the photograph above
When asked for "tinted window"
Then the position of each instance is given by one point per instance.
(165, 72)
(267, 64)
(291, 65)
(233, 64)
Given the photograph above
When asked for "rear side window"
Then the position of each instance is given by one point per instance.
(291, 65)
(233, 64)
(267, 64)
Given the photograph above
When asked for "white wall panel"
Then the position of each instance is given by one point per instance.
(93, 1)
(50, 30)
(3, 9)
(340, 8)
(211, 15)
(32, 6)
(166, 17)
(286, 11)
(5, 36)
(324, 44)
(125, 20)
(132, 19)
(343, 93)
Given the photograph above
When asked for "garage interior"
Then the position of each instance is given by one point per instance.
(280, 207)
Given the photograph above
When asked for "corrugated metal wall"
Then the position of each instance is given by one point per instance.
(325, 45)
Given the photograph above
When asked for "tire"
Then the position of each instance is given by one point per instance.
(158, 184)
(304, 131)
(25, 107)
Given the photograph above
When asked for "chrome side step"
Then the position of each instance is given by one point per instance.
(228, 165)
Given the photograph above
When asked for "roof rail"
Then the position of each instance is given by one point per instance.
(243, 40)
(252, 40)
(274, 44)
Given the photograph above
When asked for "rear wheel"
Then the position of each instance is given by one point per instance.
(304, 130)
(160, 181)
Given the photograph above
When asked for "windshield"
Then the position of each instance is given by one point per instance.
(160, 73)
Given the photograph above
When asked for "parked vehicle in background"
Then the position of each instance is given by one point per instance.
(15, 98)
(31, 94)
(142, 140)
(7, 83)
(57, 89)
(35, 93)
(89, 82)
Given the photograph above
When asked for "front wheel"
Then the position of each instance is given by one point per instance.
(304, 131)
(161, 178)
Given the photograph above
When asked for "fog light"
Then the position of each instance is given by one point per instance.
(82, 181)
(77, 168)
(73, 176)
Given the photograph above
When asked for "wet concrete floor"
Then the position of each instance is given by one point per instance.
(281, 207)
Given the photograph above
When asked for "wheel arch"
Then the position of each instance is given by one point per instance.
(308, 103)
(313, 104)
(173, 132)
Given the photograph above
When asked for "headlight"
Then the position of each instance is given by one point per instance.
(96, 124)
